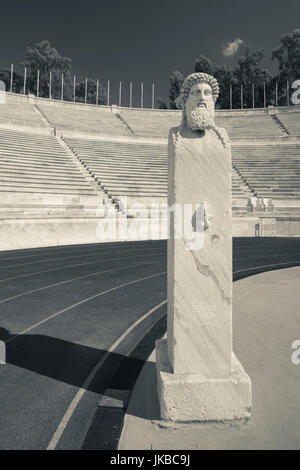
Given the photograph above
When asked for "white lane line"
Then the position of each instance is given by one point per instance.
(69, 257)
(104, 245)
(87, 252)
(68, 414)
(268, 266)
(73, 279)
(35, 325)
(80, 264)
(266, 256)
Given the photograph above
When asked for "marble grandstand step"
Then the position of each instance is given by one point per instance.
(134, 187)
(113, 146)
(266, 166)
(51, 190)
(132, 151)
(48, 198)
(282, 171)
(126, 167)
(43, 216)
(46, 175)
(10, 134)
(142, 176)
(134, 184)
(121, 155)
(42, 153)
(271, 192)
(123, 163)
(128, 178)
(282, 181)
(38, 206)
(35, 159)
(127, 192)
(288, 189)
(129, 183)
(39, 170)
(45, 183)
(127, 171)
(63, 213)
(32, 140)
(51, 155)
(29, 164)
(21, 144)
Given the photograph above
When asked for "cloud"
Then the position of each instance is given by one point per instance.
(232, 47)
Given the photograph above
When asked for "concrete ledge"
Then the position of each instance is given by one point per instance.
(185, 397)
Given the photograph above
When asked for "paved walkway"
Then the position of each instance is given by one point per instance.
(265, 323)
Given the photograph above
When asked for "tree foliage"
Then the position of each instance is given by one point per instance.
(176, 80)
(18, 81)
(204, 65)
(45, 58)
(287, 55)
(91, 92)
(249, 72)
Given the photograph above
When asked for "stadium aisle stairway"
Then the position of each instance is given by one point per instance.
(16, 110)
(39, 178)
(291, 121)
(136, 170)
(271, 171)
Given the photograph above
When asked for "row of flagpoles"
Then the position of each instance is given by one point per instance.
(86, 89)
(141, 91)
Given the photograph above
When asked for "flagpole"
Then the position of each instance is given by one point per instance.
(11, 77)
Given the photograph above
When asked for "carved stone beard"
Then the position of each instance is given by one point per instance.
(201, 118)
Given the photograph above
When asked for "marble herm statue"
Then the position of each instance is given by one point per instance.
(199, 377)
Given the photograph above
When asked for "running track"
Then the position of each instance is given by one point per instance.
(69, 317)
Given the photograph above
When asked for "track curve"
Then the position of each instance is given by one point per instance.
(63, 309)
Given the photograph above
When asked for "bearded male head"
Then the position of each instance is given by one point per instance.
(197, 98)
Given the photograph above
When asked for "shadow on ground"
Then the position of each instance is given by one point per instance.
(71, 363)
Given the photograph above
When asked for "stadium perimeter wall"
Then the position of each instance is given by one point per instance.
(20, 234)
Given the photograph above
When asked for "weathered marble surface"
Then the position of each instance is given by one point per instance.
(200, 278)
(194, 397)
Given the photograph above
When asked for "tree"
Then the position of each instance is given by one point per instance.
(91, 92)
(287, 55)
(176, 80)
(204, 65)
(224, 75)
(45, 58)
(249, 71)
(18, 81)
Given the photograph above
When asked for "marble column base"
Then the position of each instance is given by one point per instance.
(192, 397)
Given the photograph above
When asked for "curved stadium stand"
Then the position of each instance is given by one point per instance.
(61, 161)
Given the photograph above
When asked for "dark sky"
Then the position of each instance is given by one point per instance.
(143, 40)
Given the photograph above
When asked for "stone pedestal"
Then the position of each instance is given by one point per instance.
(199, 378)
(194, 397)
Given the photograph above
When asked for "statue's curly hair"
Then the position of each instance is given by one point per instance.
(181, 100)
(190, 81)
